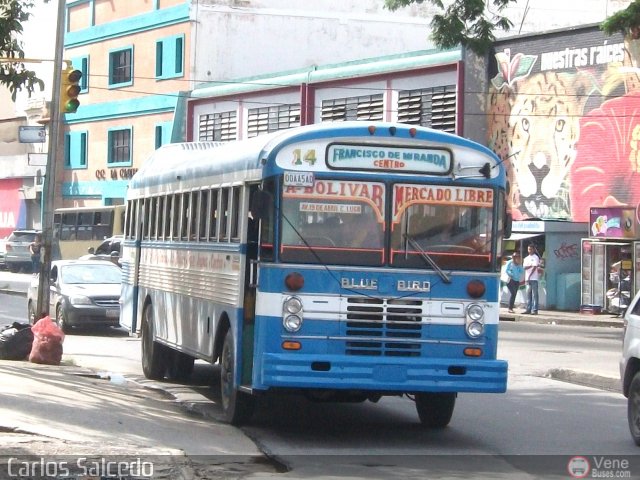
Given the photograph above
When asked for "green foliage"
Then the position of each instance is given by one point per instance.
(15, 76)
(470, 23)
(625, 21)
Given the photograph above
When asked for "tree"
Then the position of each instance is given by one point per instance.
(464, 22)
(626, 22)
(16, 76)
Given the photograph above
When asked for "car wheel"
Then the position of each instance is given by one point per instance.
(153, 353)
(14, 269)
(237, 406)
(61, 319)
(633, 408)
(435, 409)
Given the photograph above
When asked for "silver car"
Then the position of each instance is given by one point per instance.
(83, 293)
(17, 254)
(630, 366)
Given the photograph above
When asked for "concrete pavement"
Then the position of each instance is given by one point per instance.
(69, 410)
(65, 411)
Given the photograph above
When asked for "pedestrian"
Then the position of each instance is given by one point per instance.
(34, 249)
(532, 271)
(515, 272)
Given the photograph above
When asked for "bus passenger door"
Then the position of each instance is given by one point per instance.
(250, 285)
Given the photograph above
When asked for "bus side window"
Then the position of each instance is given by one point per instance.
(224, 216)
(158, 220)
(167, 216)
(203, 208)
(102, 225)
(191, 214)
(175, 216)
(235, 214)
(213, 215)
(150, 216)
(68, 231)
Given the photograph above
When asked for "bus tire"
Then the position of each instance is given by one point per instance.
(180, 366)
(153, 353)
(237, 406)
(435, 409)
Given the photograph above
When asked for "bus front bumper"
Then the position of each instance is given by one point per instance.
(389, 375)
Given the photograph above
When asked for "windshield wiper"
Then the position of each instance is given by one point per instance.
(427, 258)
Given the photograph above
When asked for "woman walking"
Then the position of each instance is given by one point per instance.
(514, 271)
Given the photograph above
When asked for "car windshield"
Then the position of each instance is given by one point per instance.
(88, 274)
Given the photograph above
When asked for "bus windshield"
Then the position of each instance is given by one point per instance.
(350, 223)
(334, 221)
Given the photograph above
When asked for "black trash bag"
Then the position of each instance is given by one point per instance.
(15, 341)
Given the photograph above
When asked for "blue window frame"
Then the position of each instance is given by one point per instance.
(120, 146)
(170, 57)
(163, 134)
(121, 67)
(75, 150)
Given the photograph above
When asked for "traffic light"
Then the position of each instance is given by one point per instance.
(70, 89)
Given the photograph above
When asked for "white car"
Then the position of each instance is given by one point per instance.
(83, 293)
(630, 366)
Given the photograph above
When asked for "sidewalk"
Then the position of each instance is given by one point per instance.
(558, 317)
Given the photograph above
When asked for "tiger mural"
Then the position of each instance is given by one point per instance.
(534, 126)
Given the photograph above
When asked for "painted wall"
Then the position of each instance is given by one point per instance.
(141, 106)
(564, 114)
(12, 206)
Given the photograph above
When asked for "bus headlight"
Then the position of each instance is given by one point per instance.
(474, 321)
(292, 305)
(292, 323)
(292, 314)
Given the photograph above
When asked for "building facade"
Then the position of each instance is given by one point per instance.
(134, 61)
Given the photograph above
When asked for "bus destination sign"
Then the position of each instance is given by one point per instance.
(400, 159)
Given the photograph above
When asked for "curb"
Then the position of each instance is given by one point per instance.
(586, 379)
(14, 293)
(592, 321)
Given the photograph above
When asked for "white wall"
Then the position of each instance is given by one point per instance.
(242, 38)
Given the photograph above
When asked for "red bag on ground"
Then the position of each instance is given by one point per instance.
(47, 342)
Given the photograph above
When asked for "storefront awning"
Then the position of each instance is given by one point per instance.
(522, 236)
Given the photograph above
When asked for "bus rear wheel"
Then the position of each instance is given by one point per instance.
(153, 353)
(435, 409)
(237, 406)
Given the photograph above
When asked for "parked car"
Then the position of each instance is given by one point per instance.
(630, 366)
(83, 293)
(17, 254)
(3, 252)
(110, 249)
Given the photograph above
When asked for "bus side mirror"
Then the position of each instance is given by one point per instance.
(91, 250)
(508, 225)
(260, 205)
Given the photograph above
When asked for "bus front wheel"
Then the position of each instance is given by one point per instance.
(237, 406)
(435, 409)
(153, 353)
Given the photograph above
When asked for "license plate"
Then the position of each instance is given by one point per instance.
(113, 313)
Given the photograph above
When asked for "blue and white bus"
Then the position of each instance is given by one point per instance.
(316, 260)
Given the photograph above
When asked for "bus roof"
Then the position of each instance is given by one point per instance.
(237, 161)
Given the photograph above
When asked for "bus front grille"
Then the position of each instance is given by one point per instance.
(384, 327)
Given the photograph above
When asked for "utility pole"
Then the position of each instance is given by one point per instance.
(49, 186)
